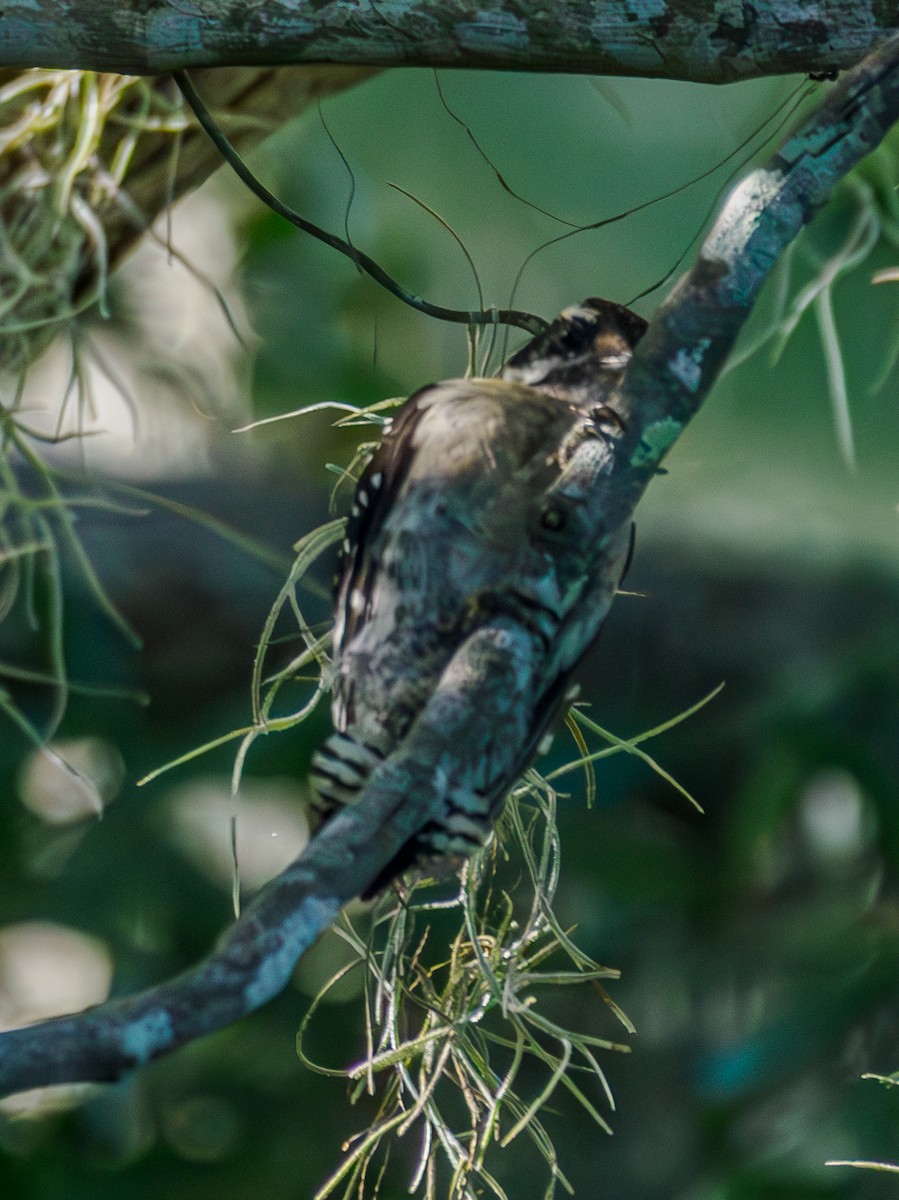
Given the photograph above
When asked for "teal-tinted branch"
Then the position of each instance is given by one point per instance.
(256, 956)
(715, 41)
(692, 333)
(673, 369)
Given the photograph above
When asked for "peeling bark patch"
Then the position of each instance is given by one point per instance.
(655, 14)
(686, 365)
(507, 31)
(736, 33)
(656, 439)
(169, 28)
(146, 1037)
(807, 33)
(709, 272)
(737, 223)
(643, 53)
(299, 932)
(646, 10)
(252, 23)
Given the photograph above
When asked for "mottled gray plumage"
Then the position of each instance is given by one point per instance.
(465, 512)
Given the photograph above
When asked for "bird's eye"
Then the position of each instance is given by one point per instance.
(607, 419)
(573, 339)
(552, 518)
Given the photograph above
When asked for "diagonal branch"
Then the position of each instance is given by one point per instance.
(689, 338)
(673, 369)
(256, 956)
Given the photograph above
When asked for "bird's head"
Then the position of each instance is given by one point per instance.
(586, 348)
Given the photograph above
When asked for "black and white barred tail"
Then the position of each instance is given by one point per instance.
(340, 770)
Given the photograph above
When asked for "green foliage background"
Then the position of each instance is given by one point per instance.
(758, 943)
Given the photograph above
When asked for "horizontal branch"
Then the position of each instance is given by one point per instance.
(714, 42)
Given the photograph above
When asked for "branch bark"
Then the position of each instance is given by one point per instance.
(714, 43)
(257, 955)
(674, 368)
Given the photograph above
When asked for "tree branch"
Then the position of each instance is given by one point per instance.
(673, 370)
(714, 43)
(692, 333)
(256, 956)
